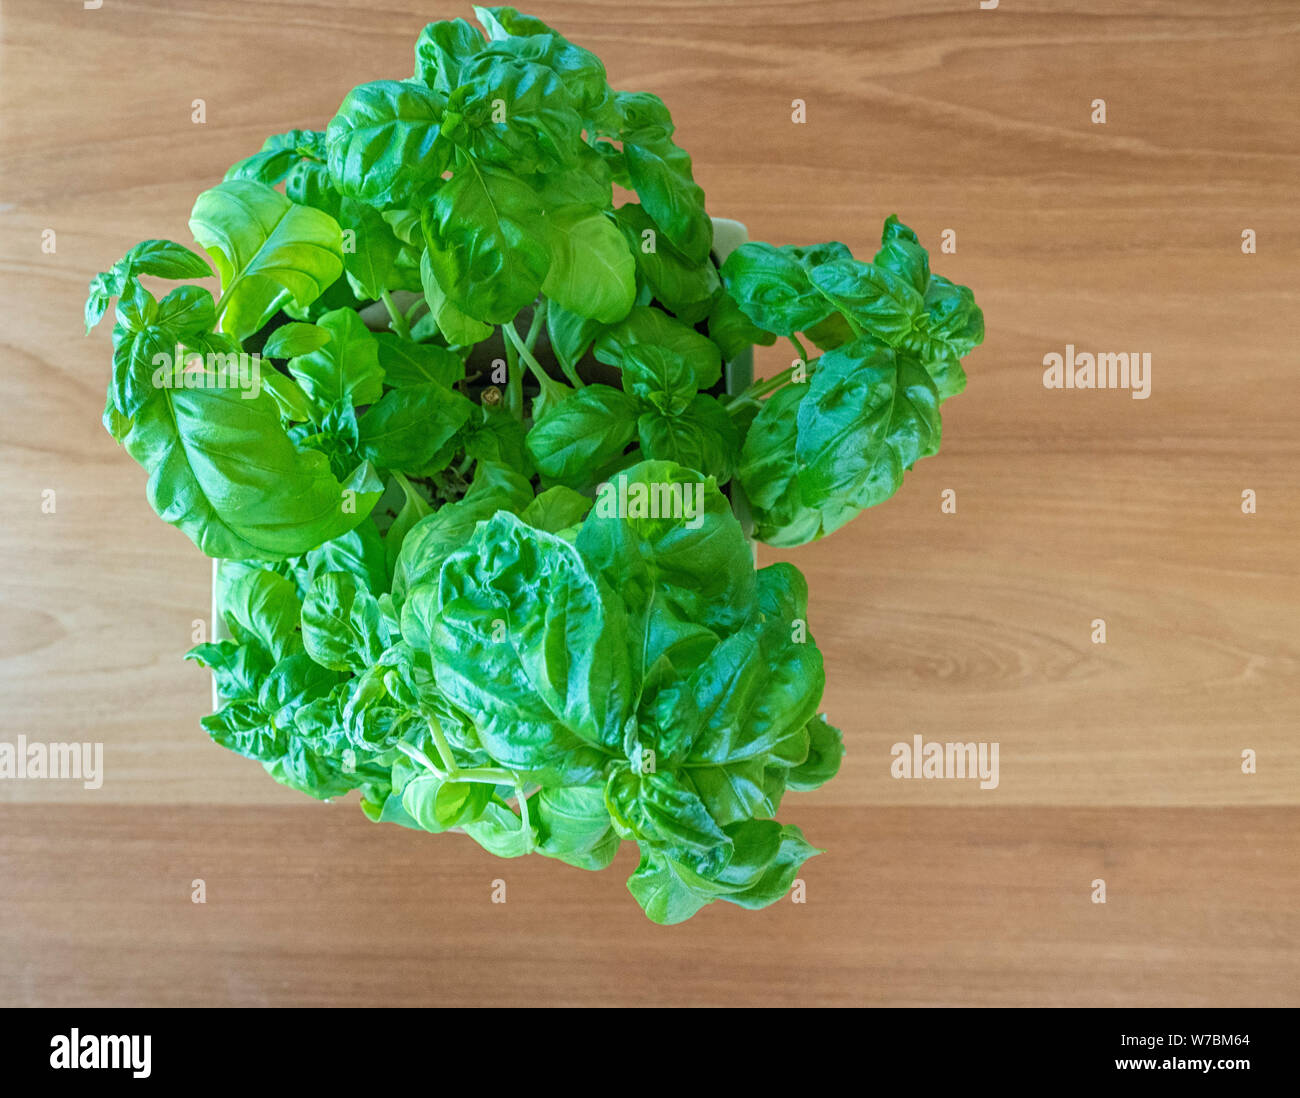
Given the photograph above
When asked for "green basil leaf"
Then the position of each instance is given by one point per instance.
(318, 774)
(279, 153)
(406, 364)
(499, 831)
(774, 882)
(370, 248)
(825, 750)
(267, 251)
(592, 271)
(769, 473)
(730, 793)
(360, 553)
(436, 804)
(186, 310)
(487, 242)
(906, 260)
(243, 727)
(895, 230)
(407, 427)
(114, 422)
(662, 890)
(702, 437)
(340, 623)
(660, 173)
(659, 377)
(901, 253)
(685, 287)
(868, 416)
(755, 695)
(757, 844)
(524, 38)
(645, 117)
(103, 288)
(497, 438)
(383, 144)
(137, 356)
(160, 258)
(570, 334)
(294, 339)
(237, 669)
(551, 394)
(733, 331)
(441, 52)
(579, 438)
(434, 538)
(667, 539)
(263, 607)
(515, 114)
(768, 468)
(772, 287)
(145, 353)
(455, 326)
(880, 301)
(166, 259)
(556, 509)
(222, 469)
(531, 645)
(343, 370)
(388, 809)
(309, 184)
(658, 808)
(584, 181)
(574, 825)
(137, 308)
(946, 373)
(646, 325)
(953, 324)
(503, 22)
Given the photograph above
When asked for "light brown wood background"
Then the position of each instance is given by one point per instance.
(1119, 761)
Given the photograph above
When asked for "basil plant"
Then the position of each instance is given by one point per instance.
(457, 429)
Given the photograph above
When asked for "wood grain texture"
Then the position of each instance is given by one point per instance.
(911, 907)
(973, 626)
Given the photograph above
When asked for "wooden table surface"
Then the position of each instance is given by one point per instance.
(1119, 761)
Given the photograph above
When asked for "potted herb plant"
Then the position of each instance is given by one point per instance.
(487, 559)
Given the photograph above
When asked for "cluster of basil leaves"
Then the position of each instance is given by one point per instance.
(422, 602)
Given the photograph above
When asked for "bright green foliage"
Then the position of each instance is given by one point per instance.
(892, 334)
(457, 426)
